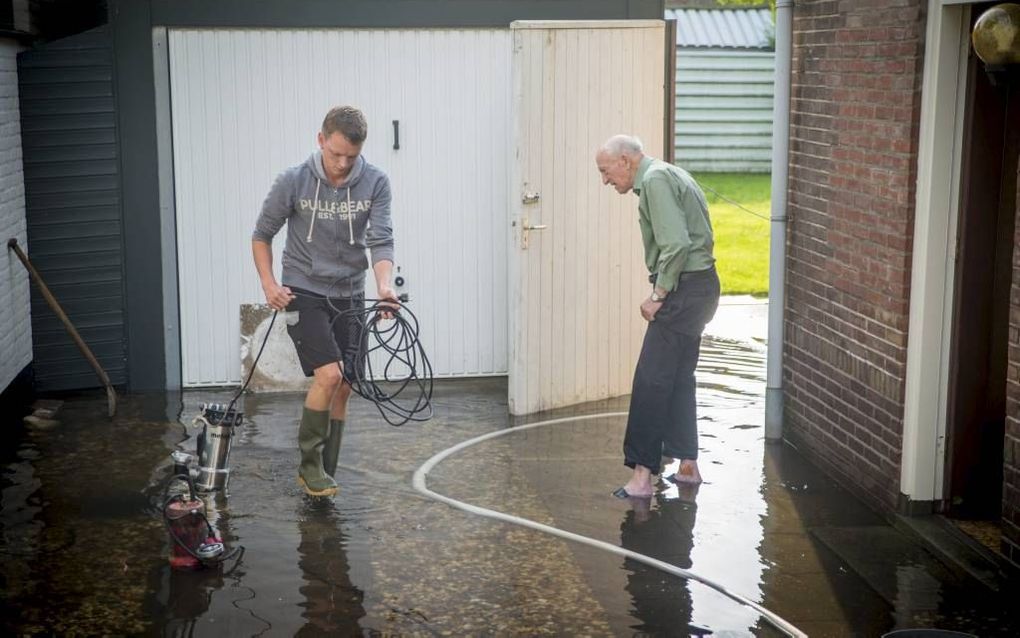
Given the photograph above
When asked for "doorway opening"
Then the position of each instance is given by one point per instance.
(976, 408)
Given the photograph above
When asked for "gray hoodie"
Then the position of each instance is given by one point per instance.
(328, 228)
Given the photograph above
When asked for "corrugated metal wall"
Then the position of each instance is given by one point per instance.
(247, 104)
(72, 202)
(15, 319)
(724, 110)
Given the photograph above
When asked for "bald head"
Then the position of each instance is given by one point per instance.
(618, 160)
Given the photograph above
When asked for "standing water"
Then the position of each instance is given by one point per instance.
(84, 549)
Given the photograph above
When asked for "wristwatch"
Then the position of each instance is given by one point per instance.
(657, 298)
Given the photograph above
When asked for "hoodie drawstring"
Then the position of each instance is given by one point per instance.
(315, 209)
(350, 216)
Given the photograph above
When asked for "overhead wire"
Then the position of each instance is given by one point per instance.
(733, 202)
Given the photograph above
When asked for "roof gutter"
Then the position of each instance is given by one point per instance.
(777, 229)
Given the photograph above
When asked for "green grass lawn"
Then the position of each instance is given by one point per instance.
(741, 239)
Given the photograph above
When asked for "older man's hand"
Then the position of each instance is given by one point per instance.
(649, 309)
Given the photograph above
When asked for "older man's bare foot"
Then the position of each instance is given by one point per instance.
(639, 485)
(687, 473)
(639, 489)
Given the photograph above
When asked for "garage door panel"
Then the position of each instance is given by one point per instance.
(247, 103)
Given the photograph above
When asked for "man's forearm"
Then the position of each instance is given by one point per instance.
(263, 255)
(383, 271)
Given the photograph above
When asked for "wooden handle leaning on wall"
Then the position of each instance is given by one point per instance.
(111, 396)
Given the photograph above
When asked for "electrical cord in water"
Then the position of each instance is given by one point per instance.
(420, 483)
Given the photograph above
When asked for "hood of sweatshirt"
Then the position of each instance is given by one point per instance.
(315, 163)
(329, 228)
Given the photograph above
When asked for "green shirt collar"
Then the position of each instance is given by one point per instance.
(639, 177)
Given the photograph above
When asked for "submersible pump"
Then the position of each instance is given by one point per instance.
(194, 541)
(214, 441)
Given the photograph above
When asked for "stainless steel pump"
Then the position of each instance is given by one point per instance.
(218, 423)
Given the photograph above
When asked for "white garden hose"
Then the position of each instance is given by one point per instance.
(420, 484)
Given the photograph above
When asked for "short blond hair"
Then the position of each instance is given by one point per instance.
(347, 121)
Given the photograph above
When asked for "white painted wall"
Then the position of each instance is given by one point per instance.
(15, 320)
(247, 103)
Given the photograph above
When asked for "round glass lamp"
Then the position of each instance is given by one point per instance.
(996, 35)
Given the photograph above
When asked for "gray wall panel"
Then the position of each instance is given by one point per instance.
(139, 171)
(73, 209)
(392, 13)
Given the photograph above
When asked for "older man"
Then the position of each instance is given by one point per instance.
(677, 236)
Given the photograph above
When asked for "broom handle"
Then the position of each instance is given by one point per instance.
(52, 301)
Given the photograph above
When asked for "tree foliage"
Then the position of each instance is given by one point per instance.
(747, 3)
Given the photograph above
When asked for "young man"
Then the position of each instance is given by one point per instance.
(335, 205)
(677, 236)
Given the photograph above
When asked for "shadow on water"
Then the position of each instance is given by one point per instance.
(80, 529)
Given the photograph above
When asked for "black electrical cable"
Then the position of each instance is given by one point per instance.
(391, 328)
(383, 326)
(244, 386)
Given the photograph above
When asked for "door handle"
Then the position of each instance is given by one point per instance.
(525, 227)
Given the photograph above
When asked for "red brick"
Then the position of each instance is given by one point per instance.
(856, 101)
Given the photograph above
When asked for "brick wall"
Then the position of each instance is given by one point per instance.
(855, 109)
(1011, 445)
(15, 326)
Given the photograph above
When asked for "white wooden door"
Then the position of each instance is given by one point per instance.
(247, 103)
(577, 278)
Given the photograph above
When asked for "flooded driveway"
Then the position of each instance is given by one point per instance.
(84, 549)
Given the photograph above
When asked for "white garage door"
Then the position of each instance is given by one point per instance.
(248, 103)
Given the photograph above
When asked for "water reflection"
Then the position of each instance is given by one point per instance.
(661, 602)
(333, 605)
(185, 596)
(75, 532)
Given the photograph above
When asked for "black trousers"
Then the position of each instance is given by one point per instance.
(663, 417)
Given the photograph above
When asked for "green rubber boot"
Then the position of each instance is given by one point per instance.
(311, 439)
(331, 453)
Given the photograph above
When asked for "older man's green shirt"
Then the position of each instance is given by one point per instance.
(675, 227)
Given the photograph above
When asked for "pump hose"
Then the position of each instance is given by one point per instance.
(420, 483)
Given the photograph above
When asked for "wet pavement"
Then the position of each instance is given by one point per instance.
(84, 549)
